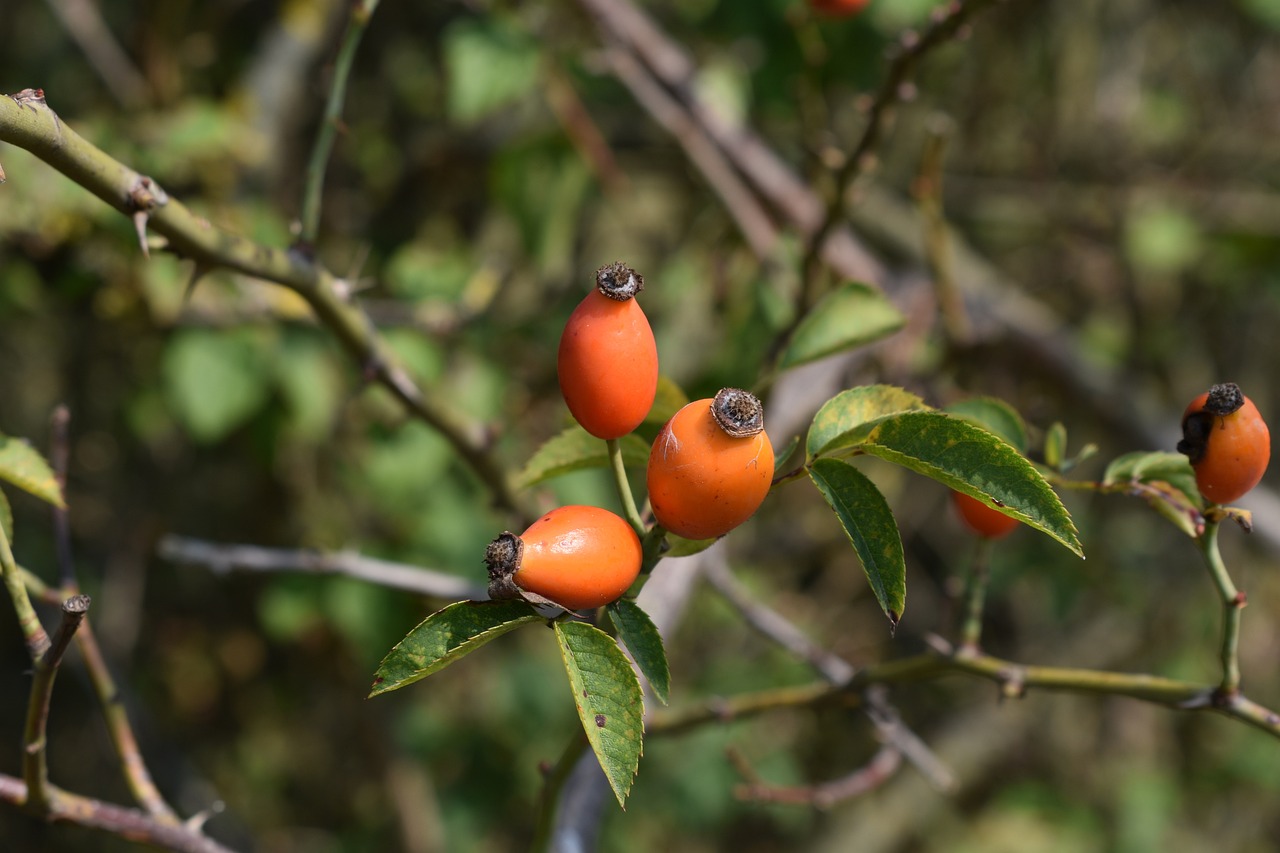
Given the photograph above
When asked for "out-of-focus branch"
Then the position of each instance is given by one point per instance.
(313, 192)
(83, 22)
(220, 559)
(27, 121)
(35, 754)
(880, 769)
(131, 824)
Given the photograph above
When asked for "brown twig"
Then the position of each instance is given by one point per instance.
(131, 824)
(221, 558)
(35, 756)
(27, 122)
(880, 769)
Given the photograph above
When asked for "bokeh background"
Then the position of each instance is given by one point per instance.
(1112, 176)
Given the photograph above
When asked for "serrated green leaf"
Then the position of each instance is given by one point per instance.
(669, 399)
(969, 459)
(6, 517)
(638, 633)
(447, 635)
(576, 449)
(22, 465)
(995, 416)
(850, 316)
(838, 421)
(610, 703)
(1165, 481)
(866, 518)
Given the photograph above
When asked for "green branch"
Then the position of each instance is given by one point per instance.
(1232, 603)
(27, 122)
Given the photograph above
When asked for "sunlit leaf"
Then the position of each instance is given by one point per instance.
(678, 546)
(669, 399)
(850, 316)
(6, 517)
(838, 422)
(1165, 481)
(576, 449)
(1055, 445)
(866, 518)
(22, 465)
(488, 65)
(638, 633)
(971, 460)
(446, 636)
(610, 703)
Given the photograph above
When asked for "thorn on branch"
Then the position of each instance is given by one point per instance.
(199, 271)
(145, 196)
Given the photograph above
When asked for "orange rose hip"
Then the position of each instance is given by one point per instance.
(574, 556)
(1227, 442)
(711, 466)
(982, 519)
(608, 361)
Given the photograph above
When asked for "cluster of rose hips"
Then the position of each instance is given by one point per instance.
(709, 469)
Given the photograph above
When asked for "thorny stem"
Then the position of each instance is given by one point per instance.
(624, 487)
(36, 128)
(1233, 602)
(35, 759)
(975, 595)
(911, 49)
(313, 192)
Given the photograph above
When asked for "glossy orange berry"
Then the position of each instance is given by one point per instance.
(574, 556)
(982, 519)
(711, 466)
(608, 361)
(838, 8)
(1227, 442)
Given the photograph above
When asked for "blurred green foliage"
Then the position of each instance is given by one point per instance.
(1115, 160)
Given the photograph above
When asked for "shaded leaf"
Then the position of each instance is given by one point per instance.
(638, 633)
(576, 449)
(837, 423)
(1055, 445)
(447, 635)
(215, 380)
(1165, 481)
(971, 460)
(678, 546)
(780, 457)
(995, 416)
(669, 399)
(850, 316)
(866, 518)
(488, 65)
(610, 703)
(22, 465)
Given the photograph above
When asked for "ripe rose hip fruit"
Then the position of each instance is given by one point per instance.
(574, 556)
(608, 361)
(982, 519)
(1227, 442)
(838, 8)
(711, 466)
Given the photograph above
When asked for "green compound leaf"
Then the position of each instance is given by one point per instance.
(867, 519)
(995, 416)
(969, 459)
(850, 316)
(678, 546)
(669, 399)
(609, 701)
(22, 465)
(1165, 481)
(447, 635)
(576, 449)
(638, 633)
(840, 421)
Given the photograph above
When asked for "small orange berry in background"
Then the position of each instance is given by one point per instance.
(575, 556)
(838, 8)
(1227, 442)
(711, 466)
(982, 519)
(608, 361)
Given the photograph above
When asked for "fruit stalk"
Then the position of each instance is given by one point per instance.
(1233, 602)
